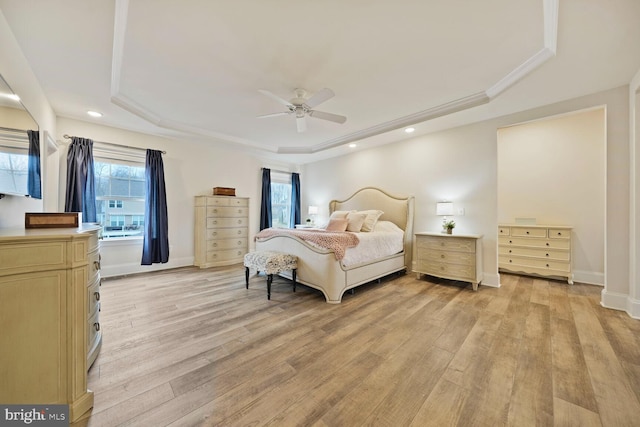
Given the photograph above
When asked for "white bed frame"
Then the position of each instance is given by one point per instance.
(319, 269)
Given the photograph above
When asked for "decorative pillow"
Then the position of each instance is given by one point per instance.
(339, 214)
(337, 224)
(371, 219)
(355, 221)
(387, 226)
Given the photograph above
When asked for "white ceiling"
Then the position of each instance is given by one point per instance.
(193, 68)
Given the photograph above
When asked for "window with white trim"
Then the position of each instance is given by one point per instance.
(280, 199)
(120, 197)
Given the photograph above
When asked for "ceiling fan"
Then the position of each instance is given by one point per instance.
(302, 107)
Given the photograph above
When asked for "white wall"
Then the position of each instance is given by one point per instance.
(553, 170)
(461, 165)
(191, 169)
(633, 299)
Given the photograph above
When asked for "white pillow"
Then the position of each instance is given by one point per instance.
(339, 214)
(355, 221)
(371, 219)
(387, 226)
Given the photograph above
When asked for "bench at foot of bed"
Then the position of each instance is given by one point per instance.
(270, 262)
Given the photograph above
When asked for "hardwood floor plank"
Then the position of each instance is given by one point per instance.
(617, 403)
(193, 347)
(531, 403)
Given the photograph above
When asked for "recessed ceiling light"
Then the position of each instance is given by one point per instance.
(352, 145)
(409, 130)
(94, 114)
(14, 97)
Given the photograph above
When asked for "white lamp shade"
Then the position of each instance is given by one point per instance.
(313, 210)
(444, 208)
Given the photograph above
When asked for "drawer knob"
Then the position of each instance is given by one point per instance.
(239, 221)
(501, 231)
(559, 233)
(215, 222)
(442, 256)
(96, 265)
(239, 232)
(546, 254)
(215, 211)
(96, 326)
(239, 242)
(527, 232)
(239, 252)
(510, 251)
(510, 241)
(97, 296)
(547, 265)
(239, 210)
(215, 233)
(510, 261)
(215, 245)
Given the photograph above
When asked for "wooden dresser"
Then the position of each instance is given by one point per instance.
(221, 230)
(450, 256)
(49, 315)
(535, 249)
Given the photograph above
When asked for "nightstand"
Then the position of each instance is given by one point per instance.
(450, 256)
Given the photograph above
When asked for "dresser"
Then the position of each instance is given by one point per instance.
(221, 230)
(50, 331)
(535, 249)
(450, 256)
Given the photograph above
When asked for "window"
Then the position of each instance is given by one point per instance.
(120, 197)
(280, 199)
(14, 172)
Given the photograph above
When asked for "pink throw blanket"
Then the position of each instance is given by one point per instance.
(338, 242)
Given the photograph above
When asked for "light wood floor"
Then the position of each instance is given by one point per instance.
(192, 347)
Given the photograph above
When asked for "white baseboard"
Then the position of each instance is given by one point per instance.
(622, 302)
(492, 280)
(132, 268)
(588, 277)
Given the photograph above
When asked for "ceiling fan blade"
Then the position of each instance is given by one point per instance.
(301, 123)
(275, 97)
(284, 113)
(327, 116)
(319, 97)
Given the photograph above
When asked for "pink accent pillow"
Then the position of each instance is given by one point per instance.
(337, 224)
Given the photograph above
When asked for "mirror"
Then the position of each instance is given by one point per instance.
(15, 121)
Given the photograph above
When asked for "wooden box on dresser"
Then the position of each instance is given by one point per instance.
(222, 233)
(535, 249)
(49, 327)
(450, 256)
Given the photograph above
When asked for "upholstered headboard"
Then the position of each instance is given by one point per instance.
(398, 210)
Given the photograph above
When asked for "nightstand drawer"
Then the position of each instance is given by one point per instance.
(464, 258)
(450, 271)
(447, 243)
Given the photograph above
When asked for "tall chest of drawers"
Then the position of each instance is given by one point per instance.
(46, 316)
(535, 249)
(450, 256)
(222, 230)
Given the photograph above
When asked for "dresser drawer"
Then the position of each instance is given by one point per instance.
(215, 245)
(535, 243)
(465, 258)
(93, 329)
(227, 211)
(226, 233)
(559, 233)
(226, 255)
(226, 222)
(442, 269)
(447, 243)
(227, 201)
(504, 231)
(93, 297)
(544, 253)
(514, 262)
(528, 232)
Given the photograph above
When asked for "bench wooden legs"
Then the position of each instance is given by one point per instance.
(269, 281)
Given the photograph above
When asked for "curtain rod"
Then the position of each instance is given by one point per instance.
(114, 144)
(279, 171)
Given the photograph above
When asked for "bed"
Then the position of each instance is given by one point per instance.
(319, 268)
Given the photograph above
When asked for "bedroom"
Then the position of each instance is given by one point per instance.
(202, 166)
